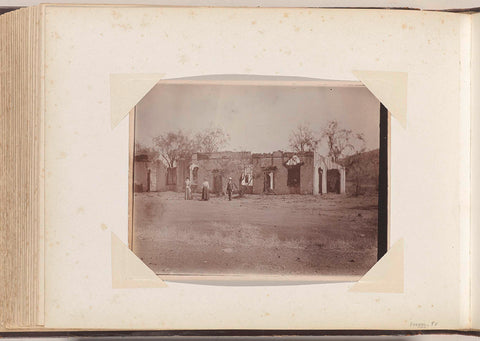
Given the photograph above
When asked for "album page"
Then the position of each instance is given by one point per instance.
(234, 168)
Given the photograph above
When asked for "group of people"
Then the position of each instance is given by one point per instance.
(206, 189)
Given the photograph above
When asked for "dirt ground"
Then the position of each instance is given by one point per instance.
(257, 234)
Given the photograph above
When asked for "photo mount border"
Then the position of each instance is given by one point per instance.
(384, 164)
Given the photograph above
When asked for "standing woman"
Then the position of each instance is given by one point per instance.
(188, 189)
(205, 190)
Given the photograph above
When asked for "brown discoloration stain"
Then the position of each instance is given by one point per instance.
(254, 22)
(116, 15)
(285, 15)
(296, 28)
(61, 156)
(125, 27)
(443, 21)
(404, 26)
(80, 210)
(103, 227)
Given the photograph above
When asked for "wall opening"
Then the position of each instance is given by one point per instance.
(333, 181)
(320, 181)
(148, 180)
(172, 176)
(217, 183)
(195, 175)
(268, 182)
(293, 179)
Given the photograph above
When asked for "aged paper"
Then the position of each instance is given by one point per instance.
(87, 162)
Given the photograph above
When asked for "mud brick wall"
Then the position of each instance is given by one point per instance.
(140, 177)
(306, 174)
(160, 177)
(276, 161)
(221, 164)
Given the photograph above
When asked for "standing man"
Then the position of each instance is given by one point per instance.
(205, 189)
(230, 188)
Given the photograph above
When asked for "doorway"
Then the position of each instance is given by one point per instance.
(333, 181)
(148, 180)
(320, 181)
(217, 183)
(293, 179)
(268, 182)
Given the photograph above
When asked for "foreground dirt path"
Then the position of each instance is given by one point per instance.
(272, 234)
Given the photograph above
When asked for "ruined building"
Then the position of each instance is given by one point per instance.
(271, 173)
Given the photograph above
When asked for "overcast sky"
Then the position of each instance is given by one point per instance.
(257, 118)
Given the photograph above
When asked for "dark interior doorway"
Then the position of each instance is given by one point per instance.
(333, 181)
(217, 183)
(320, 181)
(267, 182)
(293, 179)
(148, 180)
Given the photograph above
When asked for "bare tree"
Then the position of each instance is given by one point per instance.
(151, 153)
(173, 146)
(211, 140)
(346, 148)
(303, 139)
(342, 142)
(358, 169)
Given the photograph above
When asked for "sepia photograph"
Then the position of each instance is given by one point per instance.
(256, 179)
